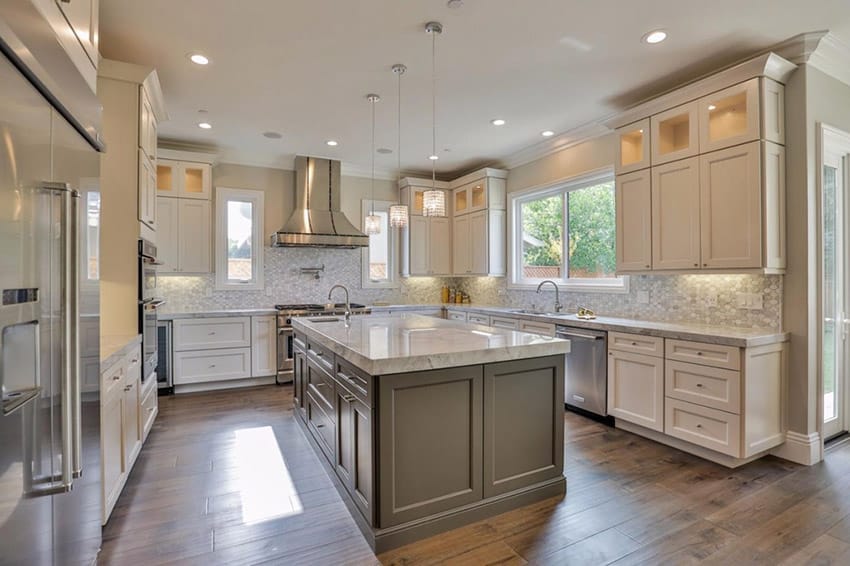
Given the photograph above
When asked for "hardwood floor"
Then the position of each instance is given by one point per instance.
(228, 478)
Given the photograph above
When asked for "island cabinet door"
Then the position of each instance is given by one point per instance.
(430, 442)
(523, 423)
(354, 451)
(299, 377)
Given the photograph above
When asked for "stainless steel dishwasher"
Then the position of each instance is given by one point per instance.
(586, 369)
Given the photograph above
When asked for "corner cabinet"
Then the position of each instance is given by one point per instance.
(709, 193)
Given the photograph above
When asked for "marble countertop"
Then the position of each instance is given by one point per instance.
(216, 313)
(114, 346)
(383, 344)
(727, 335)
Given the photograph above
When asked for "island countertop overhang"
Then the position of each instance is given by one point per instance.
(381, 345)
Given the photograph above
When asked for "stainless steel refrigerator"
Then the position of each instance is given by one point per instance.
(50, 496)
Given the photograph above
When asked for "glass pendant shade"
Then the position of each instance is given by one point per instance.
(373, 224)
(399, 216)
(434, 203)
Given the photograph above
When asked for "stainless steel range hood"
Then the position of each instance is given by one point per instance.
(317, 220)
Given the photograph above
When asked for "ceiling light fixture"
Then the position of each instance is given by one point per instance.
(272, 135)
(205, 125)
(399, 213)
(547, 133)
(656, 36)
(372, 223)
(434, 200)
(497, 122)
(332, 143)
(198, 59)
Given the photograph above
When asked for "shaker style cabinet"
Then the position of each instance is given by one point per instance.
(632, 147)
(675, 215)
(634, 221)
(675, 134)
(636, 387)
(184, 235)
(184, 179)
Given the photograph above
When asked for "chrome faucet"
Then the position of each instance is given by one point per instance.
(558, 305)
(347, 302)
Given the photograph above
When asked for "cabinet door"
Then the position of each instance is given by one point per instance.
(632, 147)
(634, 226)
(460, 203)
(636, 389)
(344, 457)
(196, 182)
(461, 246)
(263, 346)
(299, 378)
(194, 236)
(147, 126)
(477, 249)
(82, 15)
(362, 471)
(167, 230)
(439, 246)
(676, 215)
(112, 464)
(131, 425)
(147, 191)
(729, 117)
(730, 195)
(675, 134)
(168, 178)
(418, 246)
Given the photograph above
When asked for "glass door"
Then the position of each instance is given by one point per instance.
(835, 296)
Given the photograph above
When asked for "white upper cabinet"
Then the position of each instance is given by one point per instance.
(730, 207)
(440, 248)
(184, 179)
(675, 134)
(414, 197)
(183, 235)
(676, 215)
(82, 16)
(471, 197)
(772, 111)
(147, 126)
(729, 117)
(147, 191)
(634, 221)
(632, 147)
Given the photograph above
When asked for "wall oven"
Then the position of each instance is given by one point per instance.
(148, 305)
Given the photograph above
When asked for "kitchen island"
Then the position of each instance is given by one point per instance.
(429, 424)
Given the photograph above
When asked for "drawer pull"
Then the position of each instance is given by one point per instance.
(116, 377)
(128, 387)
(699, 353)
(699, 426)
(320, 426)
(349, 398)
(212, 365)
(634, 343)
(699, 385)
(212, 332)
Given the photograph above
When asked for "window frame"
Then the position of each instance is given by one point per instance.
(257, 197)
(619, 284)
(366, 206)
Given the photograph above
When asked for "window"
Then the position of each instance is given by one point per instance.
(239, 243)
(379, 265)
(567, 233)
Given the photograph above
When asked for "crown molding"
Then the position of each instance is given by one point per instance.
(832, 56)
(562, 141)
(799, 49)
(139, 74)
(353, 170)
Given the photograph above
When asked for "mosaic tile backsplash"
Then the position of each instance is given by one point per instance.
(706, 299)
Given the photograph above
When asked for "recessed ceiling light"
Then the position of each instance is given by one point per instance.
(656, 36)
(547, 133)
(454, 4)
(273, 135)
(332, 143)
(497, 122)
(205, 125)
(433, 157)
(384, 150)
(199, 59)
(712, 107)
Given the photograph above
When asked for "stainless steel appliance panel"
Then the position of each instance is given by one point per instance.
(586, 369)
(164, 367)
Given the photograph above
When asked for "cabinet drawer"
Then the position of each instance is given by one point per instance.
(212, 333)
(710, 428)
(727, 357)
(112, 381)
(543, 328)
(148, 411)
(636, 343)
(478, 319)
(320, 385)
(456, 315)
(502, 322)
(321, 425)
(354, 380)
(211, 365)
(708, 386)
(321, 356)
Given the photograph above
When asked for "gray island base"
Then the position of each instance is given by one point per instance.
(426, 424)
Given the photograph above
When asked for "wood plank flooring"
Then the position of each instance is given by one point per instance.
(198, 495)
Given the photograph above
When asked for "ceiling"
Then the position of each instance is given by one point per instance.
(303, 67)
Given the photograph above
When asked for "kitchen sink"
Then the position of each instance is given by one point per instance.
(324, 319)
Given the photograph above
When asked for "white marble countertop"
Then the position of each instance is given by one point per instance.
(216, 313)
(728, 335)
(114, 346)
(386, 344)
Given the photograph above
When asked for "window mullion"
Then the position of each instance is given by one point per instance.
(565, 241)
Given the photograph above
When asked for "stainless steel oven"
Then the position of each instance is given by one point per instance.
(148, 305)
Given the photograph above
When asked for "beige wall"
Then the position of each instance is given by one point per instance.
(812, 97)
(279, 188)
(582, 158)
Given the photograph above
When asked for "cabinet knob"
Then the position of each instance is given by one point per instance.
(212, 333)
(696, 265)
(699, 385)
(647, 267)
(634, 343)
(212, 365)
(116, 377)
(705, 265)
(699, 426)
(699, 353)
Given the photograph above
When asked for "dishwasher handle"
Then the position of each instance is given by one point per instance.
(571, 334)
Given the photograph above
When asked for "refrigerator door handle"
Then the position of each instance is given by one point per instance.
(73, 283)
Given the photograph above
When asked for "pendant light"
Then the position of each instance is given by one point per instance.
(399, 213)
(433, 200)
(372, 223)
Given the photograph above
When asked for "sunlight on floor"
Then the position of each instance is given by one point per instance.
(265, 484)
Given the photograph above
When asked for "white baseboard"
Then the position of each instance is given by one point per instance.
(800, 448)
